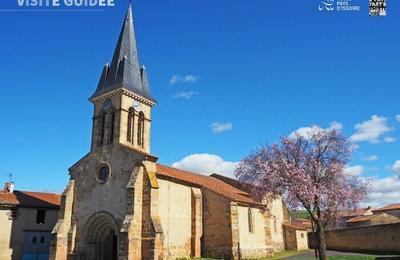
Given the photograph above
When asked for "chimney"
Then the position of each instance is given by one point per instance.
(11, 187)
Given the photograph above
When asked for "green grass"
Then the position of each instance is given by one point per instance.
(284, 254)
(289, 253)
(351, 257)
(299, 214)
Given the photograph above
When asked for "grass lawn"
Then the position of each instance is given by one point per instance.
(284, 254)
(290, 253)
(351, 257)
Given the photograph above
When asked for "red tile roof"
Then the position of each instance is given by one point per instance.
(303, 221)
(361, 219)
(208, 182)
(352, 213)
(389, 207)
(296, 226)
(30, 199)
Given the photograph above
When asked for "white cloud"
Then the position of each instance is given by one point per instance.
(398, 118)
(185, 95)
(389, 139)
(336, 126)
(206, 164)
(370, 158)
(307, 132)
(396, 167)
(354, 170)
(383, 192)
(218, 127)
(371, 130)
(175, 79)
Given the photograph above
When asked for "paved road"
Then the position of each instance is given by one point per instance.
(309, 255)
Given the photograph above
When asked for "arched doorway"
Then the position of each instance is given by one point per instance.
(101, 237)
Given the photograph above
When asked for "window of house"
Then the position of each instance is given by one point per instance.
(302, 235)
(42, 240)
(275, 225)
(40, 216)
(34, 240)
(12, 214)
(250, 220)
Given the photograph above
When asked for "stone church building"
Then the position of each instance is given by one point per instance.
(121, 204)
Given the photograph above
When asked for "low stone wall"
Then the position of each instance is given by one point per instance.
(378, 239)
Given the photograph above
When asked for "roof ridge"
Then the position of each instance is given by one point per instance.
(39, 192)
(182, 170)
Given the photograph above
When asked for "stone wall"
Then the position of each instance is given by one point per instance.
(380, 239)
(217, 233)
(277, 218)
(252, 242)
(175, 211)
(290, 238)
(302, 240)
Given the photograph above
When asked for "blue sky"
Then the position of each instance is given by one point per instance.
(253, 70)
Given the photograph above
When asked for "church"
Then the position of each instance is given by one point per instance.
(121, 204)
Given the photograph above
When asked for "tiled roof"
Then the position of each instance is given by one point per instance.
(124, 70)
(208, 182)
(351, 213)
(303, 221)
(296, 226)
(389, 207)
(361, 219)
(30, 199)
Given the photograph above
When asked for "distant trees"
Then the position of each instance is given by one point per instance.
(306, 172)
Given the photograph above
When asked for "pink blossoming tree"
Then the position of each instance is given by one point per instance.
(306, 172)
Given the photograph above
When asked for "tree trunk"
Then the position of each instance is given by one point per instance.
(321, 241)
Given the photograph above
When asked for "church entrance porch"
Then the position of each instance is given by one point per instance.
(101, 238)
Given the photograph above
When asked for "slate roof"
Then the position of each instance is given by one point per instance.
(30, 199)
(388, 207)
(207, 182)
(124, 71)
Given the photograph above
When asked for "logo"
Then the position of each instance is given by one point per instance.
(377, 7)
(338, 6)
(327, 5)
(49, 5)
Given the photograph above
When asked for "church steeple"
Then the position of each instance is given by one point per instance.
(122, 101)
(124, 71)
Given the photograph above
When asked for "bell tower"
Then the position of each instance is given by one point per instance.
(122, 101)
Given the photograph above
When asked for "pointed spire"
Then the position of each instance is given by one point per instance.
(124, 71)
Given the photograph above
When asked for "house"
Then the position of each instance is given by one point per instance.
(393, 209)
(376, 219)
(26, 220)
(344, 215)
(296, 235)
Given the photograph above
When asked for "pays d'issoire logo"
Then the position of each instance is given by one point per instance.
(63, 3)
(338, 5)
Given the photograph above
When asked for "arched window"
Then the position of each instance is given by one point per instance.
(131, 124)
(140, 130)
(111, 115)
(107, 105)
(102, 118)
(250, 220)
